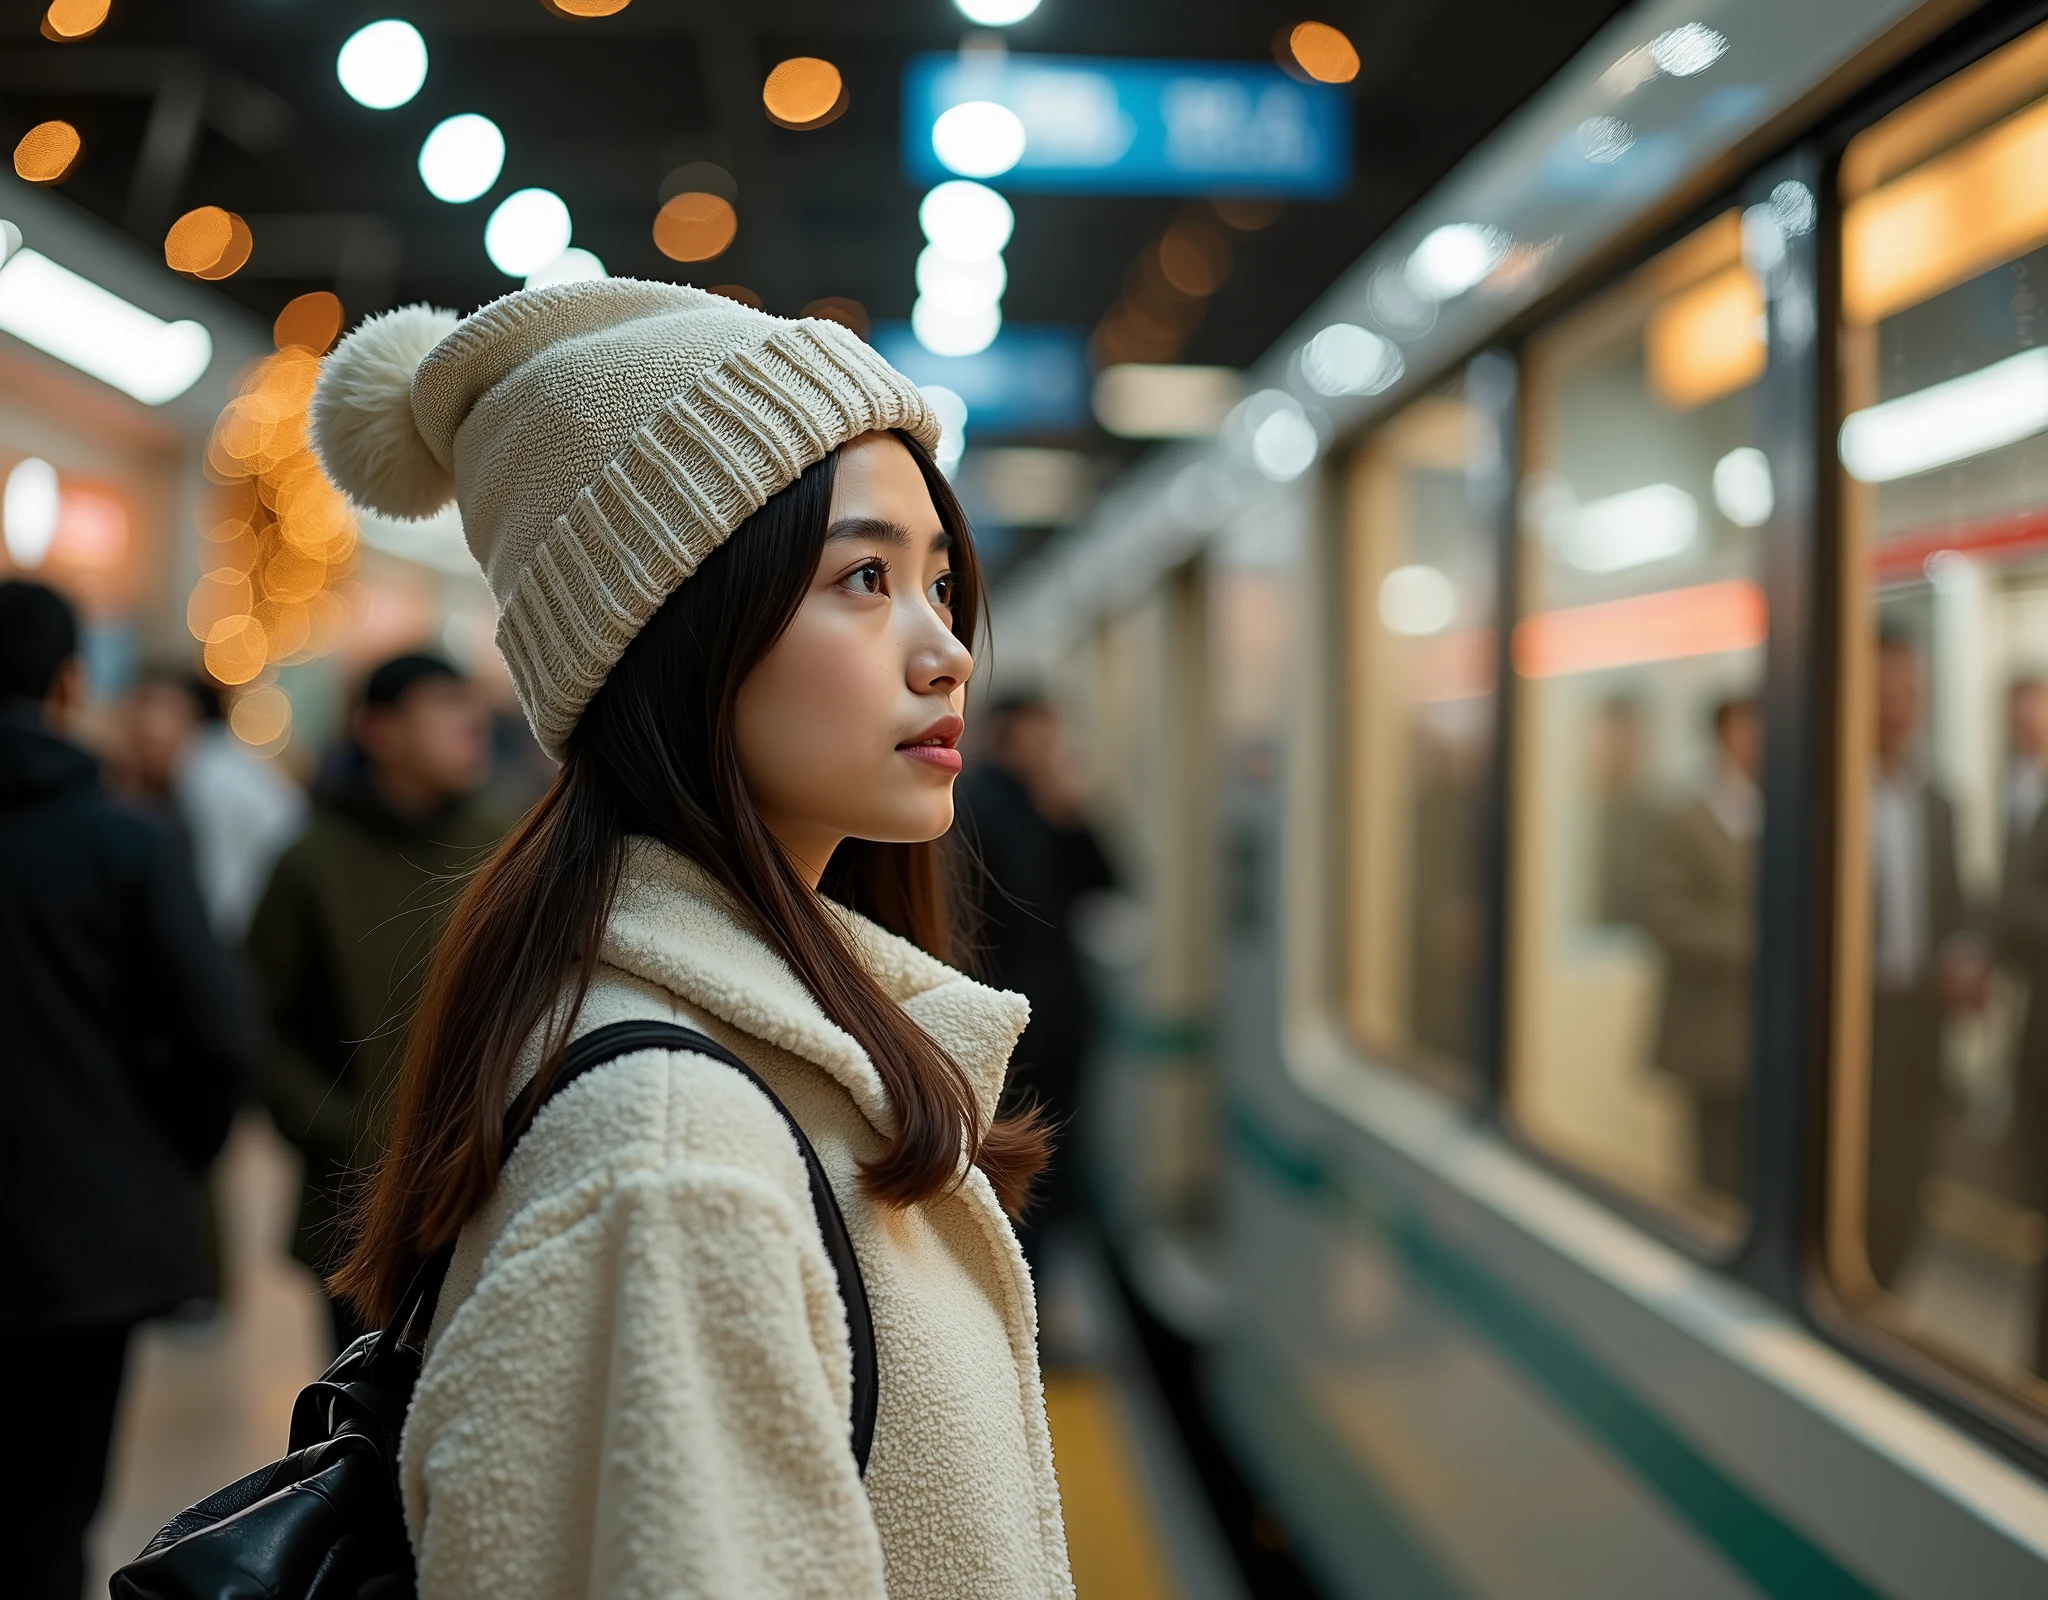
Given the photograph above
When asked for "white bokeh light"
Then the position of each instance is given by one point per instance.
(1347, 359)
(96, 331)
(1742, 487)
(529, 229)
(951, 411)
(954, 333)
(1417, 601)
(462, 158)
(28, 511)
(571, 266)
(960, 285)
(995, 13)
(383, 64)
(1688, 49)
(978, 139)
(1453, 258)
(966, 221)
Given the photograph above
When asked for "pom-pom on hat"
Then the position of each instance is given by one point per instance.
(601, 439)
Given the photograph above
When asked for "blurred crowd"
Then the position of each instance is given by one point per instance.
(185, 929)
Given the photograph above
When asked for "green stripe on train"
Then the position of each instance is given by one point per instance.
(1774, 1554)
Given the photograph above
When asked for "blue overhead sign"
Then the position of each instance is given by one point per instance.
(1140, 127)
(1033, 379)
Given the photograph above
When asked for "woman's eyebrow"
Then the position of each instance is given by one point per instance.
(884, 531)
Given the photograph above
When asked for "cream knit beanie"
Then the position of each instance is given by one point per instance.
(601, 439)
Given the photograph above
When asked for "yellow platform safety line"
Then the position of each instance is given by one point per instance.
(1110, 1532)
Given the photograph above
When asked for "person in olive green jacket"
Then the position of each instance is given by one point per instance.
(341, 941)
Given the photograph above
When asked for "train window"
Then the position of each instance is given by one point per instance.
(1941, 1117)
(1420, 557)
(1637, 659)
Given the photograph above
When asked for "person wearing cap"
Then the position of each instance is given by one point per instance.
(737, 600)
(341, 938)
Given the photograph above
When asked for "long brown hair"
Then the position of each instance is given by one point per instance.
(654, 755)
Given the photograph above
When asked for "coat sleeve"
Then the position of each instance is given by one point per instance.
(652, 1401)
(203, 1014)
(310, 1102)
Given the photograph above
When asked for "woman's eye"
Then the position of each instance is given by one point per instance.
(941, 592)
(867, 577)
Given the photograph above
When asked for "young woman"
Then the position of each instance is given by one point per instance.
(736, 600)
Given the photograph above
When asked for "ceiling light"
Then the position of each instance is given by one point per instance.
(527, 231)
(804, 92)
(1451, 259)
(978, 139)
(1947, 422)
(1605, 140)
(586, 8)
(695, 226)
(1688, 49)
(571, 266)
(75, 320)
(960, 285)
(954, 333)
(951, 412)
(996, 13)
(28, 511)
(47, 153)
(966, 220)
(383, 65)
(1148, 400)
(1742, 487)
(1323, 52)
(1417, 601)
(462, 158)
(1625, 530)
(1347, 359)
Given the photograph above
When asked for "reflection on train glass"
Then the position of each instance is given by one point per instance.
(1420, 558)
(1637, 786)
(1943, 1019)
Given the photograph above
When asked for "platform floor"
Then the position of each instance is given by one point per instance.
(203, 1405)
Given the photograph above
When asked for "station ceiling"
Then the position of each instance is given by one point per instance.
(236, 103)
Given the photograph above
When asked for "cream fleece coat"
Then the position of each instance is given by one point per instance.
(639, 1377)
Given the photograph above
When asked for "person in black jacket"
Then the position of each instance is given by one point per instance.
(126, 1035)
(1022, 816)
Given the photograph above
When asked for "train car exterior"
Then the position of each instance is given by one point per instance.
(1580, 738)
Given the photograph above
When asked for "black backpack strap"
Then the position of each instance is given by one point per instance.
(594, 1049)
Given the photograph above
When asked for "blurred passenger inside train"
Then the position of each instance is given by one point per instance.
(341, 940)
(1627, 819)
(1023, 811)
(236, 811)
(128, 1035)
(1927, 958)
(1699, 903)
(2023, 940)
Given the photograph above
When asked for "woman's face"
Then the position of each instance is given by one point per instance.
(848, 726)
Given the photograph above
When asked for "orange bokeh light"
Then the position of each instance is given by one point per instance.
(1707, 341)
(208, 243)
(67, 20)
(310, 322)
(695, 227)
(586, 8)
(1703, 619)
(804, 92)
(47, 153)
(1323, 52)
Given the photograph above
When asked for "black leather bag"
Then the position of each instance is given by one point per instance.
(325, 1523)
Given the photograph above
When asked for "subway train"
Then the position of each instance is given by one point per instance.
(1575, 741)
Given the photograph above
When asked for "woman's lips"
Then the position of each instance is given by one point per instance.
(935, 745)
(942, 756)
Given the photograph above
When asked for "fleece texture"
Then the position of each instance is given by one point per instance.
(601, 439)
(639, 1380)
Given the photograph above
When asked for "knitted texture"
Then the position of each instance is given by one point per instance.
(603, 438)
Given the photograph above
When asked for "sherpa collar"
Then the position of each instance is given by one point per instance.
(674, 926)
